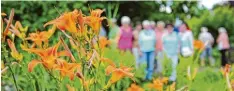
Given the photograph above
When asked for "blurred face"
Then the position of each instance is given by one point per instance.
(170, 28)
(139, 27)
(125, 24)
(183, 28)
(147, 27)
(153, 26)
(160, 27)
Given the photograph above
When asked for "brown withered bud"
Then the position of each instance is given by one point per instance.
(80, 75)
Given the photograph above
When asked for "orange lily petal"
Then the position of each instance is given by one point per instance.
(32, 64)
(67, 69)
(118, 73)
(198, 44)
(106, 60)
(135, 87)
(40, 37)
(110, 69)
(8, 24)
(103, 42)
(116, 76)
(66, 22)
(12, 46)
(14, 53)
(156, 85)
(94, 20)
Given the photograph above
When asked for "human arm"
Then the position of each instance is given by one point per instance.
(139, 41)
(211, 39)
(118, 35)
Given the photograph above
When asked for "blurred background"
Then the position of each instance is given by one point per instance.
(210, 13)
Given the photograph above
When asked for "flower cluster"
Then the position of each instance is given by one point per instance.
(79, 54)
(158, 83)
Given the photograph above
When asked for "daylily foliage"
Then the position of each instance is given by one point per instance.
(58, 59)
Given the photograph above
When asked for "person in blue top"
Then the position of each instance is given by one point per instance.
(147, 41)
(171, 48)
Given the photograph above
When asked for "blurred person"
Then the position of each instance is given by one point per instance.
(171, 48)
(135, 50)
(178, 22)
(208, 41)
(223, 44)
(102, 32)
(159, 48)
(186, 40)
(125, 35)
(114, 29)
(147, 40)
(152, 25)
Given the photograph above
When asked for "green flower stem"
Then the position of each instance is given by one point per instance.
(13, 76)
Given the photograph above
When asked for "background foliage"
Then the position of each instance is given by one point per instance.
(196, 16)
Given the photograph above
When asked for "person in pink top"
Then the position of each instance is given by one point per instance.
(125, 35)
(223, 44)
(159, 47)
(159, 32)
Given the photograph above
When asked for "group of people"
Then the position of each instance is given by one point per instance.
(151, 41)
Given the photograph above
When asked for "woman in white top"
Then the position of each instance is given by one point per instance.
(186, 40)
(208, 40)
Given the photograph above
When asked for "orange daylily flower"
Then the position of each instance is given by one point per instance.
(225, 70)
(157, 84)
(95, 20)
(103, 42)
(14, 53)
(67, 69)
(48, 56)
(198, 44)
(67, 21)
(81, 23)
(135, 87)
(40, 37)
(118, 73)
(108, 61)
